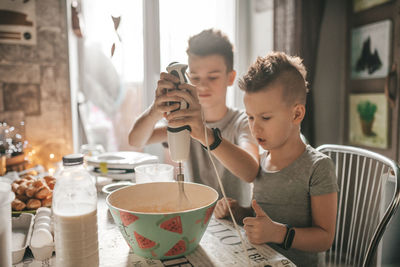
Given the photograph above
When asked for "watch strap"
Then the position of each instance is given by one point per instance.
(288, 240)
(217, 139)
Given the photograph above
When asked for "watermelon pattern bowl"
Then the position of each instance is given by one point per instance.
(154, 221)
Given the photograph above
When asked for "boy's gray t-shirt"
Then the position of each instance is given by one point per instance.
(285, 195)
(234, 128)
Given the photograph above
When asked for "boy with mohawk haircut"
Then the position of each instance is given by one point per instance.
(294, 202)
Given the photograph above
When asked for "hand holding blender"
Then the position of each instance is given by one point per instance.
(179, 138)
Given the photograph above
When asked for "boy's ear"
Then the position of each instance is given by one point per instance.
(231, 77)
(299, 111)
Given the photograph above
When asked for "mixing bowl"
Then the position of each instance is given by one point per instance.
(155, 220)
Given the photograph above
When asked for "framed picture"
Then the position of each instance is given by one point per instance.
(368, 122)
(359, 5)
(370, 50)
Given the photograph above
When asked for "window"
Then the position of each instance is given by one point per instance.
(112, 85)
(99, 29)
(179, 20)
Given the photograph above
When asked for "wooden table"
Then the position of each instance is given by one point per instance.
(220, 246)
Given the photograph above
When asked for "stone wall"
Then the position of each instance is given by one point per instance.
(34, 83)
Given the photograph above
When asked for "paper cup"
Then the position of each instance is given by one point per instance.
(6, 197)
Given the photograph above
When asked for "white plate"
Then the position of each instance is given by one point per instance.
(121, 160)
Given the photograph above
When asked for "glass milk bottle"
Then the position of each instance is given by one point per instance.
(75, 215)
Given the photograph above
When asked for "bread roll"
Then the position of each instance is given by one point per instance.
(33, 204)
(38, 183)
(19, 181)
(43, 192)
(47, 202)
(23, 198)
(49, 179)
(21, 189)
(31, 190)
(28, 177)
(51, 184)
(14, 187)
(18, 205)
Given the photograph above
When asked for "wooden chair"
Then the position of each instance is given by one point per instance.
(369, 195)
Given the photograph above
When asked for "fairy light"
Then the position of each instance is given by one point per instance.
(51, 156)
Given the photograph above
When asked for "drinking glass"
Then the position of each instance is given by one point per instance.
(157, 172)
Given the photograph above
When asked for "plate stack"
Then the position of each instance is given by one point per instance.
(118, 165)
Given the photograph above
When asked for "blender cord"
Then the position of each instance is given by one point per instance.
(223, 191)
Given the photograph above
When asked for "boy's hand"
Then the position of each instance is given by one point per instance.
(259, 229)
(160, 105)
(191, 116)
(221, 209)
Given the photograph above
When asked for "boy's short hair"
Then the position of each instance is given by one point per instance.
(211, 42)
(277, 67)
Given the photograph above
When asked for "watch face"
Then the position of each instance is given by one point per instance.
(288, 240)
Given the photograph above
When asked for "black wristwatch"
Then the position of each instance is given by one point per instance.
(288, 240)
(217, 139)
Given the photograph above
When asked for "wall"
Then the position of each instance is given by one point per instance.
(329, 85)
(262, 13)
(34, 83)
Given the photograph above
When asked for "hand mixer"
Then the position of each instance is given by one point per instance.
(179, 138)
(179, 145)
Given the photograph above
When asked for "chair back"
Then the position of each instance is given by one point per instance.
(369, 195)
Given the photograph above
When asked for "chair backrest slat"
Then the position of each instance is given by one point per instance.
(345, 210)
(360, 208)
(365, 207)
(353, 219)
(363, 210)
(370, 203)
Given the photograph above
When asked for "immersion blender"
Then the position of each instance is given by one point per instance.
(179, 138)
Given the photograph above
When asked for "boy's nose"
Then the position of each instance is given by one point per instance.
(202, 84)
(256, 127)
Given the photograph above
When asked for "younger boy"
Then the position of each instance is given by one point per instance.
(295, 193)
(210, 60)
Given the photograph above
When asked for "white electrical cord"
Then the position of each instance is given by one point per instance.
(223, 192)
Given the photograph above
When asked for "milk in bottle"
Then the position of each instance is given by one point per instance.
(75, 215)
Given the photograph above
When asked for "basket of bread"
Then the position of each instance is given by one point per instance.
(32, 193)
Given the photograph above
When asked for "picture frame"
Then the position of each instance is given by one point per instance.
(370, 50)
(360, 5)
(368, 120)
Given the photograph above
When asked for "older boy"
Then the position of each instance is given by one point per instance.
(210, 58)
(295, 193)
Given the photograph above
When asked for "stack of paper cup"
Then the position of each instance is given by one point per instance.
(6, 197)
